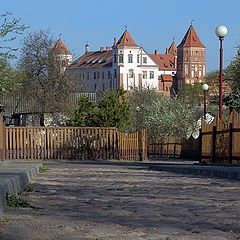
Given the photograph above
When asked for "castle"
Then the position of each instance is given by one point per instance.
(128, 65)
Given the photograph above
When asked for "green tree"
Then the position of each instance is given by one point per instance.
(112, 110)
(86, 114)
(162, 116)
(9, 28)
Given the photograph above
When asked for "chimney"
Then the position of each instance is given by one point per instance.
(114, 41)
(101, 49)
(108, 48)
(155, 52)
(166, 51)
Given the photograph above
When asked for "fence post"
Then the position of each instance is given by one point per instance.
(230, 143)
(214, 136)
(200, 146)
(2, 138)
(140, 145)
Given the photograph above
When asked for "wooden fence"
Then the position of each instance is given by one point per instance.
(71, 143)
(173, 147)
(220, 141)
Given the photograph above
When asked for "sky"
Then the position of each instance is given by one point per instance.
(152, 23)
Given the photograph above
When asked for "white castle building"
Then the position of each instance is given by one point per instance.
(125, 65)
(130, 66)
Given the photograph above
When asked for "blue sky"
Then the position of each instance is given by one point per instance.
(152, 23)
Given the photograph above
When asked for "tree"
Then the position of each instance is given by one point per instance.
(85, 115)
(191, 94)
(112, 110)
(9, 28)
(162, 116)
(44, 83)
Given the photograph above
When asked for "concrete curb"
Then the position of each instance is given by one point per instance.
(14, 177)
(209, 171)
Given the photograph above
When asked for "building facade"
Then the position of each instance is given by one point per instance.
(130, 66)
(191, 63)
(125, 65)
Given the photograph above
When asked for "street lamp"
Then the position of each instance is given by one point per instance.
(204, 88)
(221, 32)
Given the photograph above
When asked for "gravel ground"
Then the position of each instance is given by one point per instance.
(103, 202)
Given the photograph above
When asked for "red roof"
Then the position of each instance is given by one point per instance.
(167, 78)
(93, 60)
(60, 48)
(164, 61)
(172, 49)
(126, 40)
(191, 39)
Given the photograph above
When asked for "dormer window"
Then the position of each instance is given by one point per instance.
(144, 59)
(130, 58)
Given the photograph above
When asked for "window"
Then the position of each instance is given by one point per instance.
(95, 86)
(95, 75)
(109, 74)
(88, 76)
(130, 73)
(83, 76)
(144, 59)
(120, 58)
(151, 74)
(115, 58)
(144, 74)
(80, 76)
(138, 57)
(102, 75)
(103, 87)
(115, 73)
(130, 58)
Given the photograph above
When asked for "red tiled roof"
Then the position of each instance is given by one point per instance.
(167, 78)
(164, 61)
(94, 59)
(60, 48)
(126, 40)
(191, 39)
(173, 49)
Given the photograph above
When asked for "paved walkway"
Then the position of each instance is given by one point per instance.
(125, 202)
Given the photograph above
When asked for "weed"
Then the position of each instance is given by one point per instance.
(17, 201)
(43, 169)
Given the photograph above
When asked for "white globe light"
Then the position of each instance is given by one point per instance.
(205, 87)
(221, 31)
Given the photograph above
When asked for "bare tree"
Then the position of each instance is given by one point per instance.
(45, 83)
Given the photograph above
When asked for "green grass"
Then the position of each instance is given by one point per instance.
(17, 201)
(43, 169)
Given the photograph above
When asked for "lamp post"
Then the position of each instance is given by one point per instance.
(137, 116)
(204, 88)
(221, 32)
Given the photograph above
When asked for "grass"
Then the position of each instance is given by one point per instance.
(17, 202)
(43, 169)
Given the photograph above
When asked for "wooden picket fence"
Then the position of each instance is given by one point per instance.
(174, 147)
(71, 143)
(220, 141)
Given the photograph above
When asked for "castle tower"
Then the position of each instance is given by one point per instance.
(62, 52)
(190, 59)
